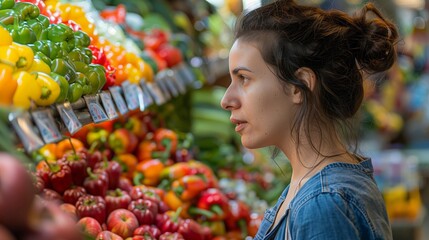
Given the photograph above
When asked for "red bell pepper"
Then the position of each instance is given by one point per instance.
(77, 163)
(143, 192)
(73, 25)
(165, 139)
(116, 199)
(91, 206)
(238, 216)
(188, 187)
(73, 194)
(51, 195)
(113, 170)
(60, 177)
(215, 201)
(190, 229)
(97, 182)
(143, 230)
(167, 223)
(171, 236)
(116, 15)
(125, 184)
(145, 211)
(110, 75)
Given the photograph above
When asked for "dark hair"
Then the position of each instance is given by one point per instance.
(339, 48)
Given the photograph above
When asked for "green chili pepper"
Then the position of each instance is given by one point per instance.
(7, 16)
(80, 40)
(25, 10)
(77, 55)
(64, 68)
(43, 57)
(75, 91)
(64, 86)
(6, 4)
(60, 33)
(22, 33)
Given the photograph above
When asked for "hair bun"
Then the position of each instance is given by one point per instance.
(375, 50)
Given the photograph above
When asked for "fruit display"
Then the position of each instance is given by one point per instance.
(95, 111)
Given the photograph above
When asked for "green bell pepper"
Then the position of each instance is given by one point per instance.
(96, 77)
(44, 46)
(64, 87)
(25, 10)
(81, 66)
(80, 40)
(6, 4)
(63, 50)
(83, 81)
(60, 33)
(75, 92)
(78, 55)
(22, 33)
(64, 68)
(39, 26)
(7, 16)
(43, 57)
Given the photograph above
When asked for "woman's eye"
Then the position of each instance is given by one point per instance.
(242, 78)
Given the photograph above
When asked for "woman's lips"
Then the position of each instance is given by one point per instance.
(240, 125)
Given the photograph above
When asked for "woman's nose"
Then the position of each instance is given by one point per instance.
(229, 100)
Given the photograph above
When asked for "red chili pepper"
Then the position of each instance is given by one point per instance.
(73, 194)
(143, 230)
(91, 206)
(215, 201)
(116, 199)
(190, 229)
(97, 182)
(145, 210)
(77, 163)
(60, 177)
(171, 236)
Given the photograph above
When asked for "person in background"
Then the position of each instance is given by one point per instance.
(296, 83)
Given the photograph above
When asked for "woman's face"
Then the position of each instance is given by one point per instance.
(260, 108)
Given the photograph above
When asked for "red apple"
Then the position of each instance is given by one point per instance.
(122, 222)
(89, 227)
(107, 235)
(16, 193)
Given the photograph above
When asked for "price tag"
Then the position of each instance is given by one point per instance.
(130, 95)
(179, 81)
(95, 109)
(25, 130)
(162, 85)
(47, 127)
(147, 97)
(156, 92)
(119, 100)
(140, 97)
(69, 117)
(106, 100)
(186, 73)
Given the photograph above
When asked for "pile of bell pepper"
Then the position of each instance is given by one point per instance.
(36, 52)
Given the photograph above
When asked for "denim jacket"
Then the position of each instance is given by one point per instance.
(341, 201)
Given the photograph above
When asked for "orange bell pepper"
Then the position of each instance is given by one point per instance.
(128, 163)
(145, 150)
(7, 84)
(67, 145)
(148, 172)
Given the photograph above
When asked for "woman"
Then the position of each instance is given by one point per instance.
(297, 75)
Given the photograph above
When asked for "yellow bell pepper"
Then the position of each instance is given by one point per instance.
(5, 38)
(50, 90)
(7, 84)
(17, 55)
(27, 89)
(39, 66)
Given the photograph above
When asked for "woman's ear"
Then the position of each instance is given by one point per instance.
(308, 77)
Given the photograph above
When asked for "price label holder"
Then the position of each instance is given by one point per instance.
(186, 73)
(46, 124)
(162, 85)
(140, 96)
(95, 109)
(119, 100)
(130, 95)
(69, 117)
(106, 100)
(147, 97)
(156, 93)
(24, 128)
(178, 80)
(170, 81)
